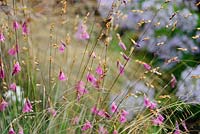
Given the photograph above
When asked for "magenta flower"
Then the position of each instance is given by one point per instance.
(148, 103)
(24, 28)
(13, 51)
(122, 119)
(82, 34)
(13, 87)
(102, 130)
(81, 90)
(11, 131)
(52, 111)
(62, 47)
(2, 38)
(99, 70)
(86, 126)
(27, 106)
(3, 105)
(91, 79)
(158, 120)
(115, 132)
(125, 57)
(147, 66)
(61, 76)
(94, 110)
(16, 68)
(122, 45)
(173, 81)
(124, 112)
(113, 107)
(15, 25)
(21, 131)
(2, 73)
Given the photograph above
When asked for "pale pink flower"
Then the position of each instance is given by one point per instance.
(113, 107)
(147, 66)
(81, 90)
(15, 25)
(177, 130)
(158, 120)
(16, 68)
(82, 33)
(52, 111)
(184, 125)
(102, 130)
(99, 70)
(173, 81)
(11, 131)
(86, 126)
(13, 87)
(62, 47)
(101, 113)
(27, 106)
(61, 76)
(13, 51)
(2, 38)
(24, 28)
(75, 120)
(21, 131)
(93, 55)
(121, 67)
(115, 132)
(2, 73)
(122, 45)
(124, 112)
(3, 105)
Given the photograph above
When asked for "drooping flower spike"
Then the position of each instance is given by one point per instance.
(99, 70)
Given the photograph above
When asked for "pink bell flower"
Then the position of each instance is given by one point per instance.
(27, 106)
(86, 126)
(61, 76)
(82, 33)
(16, 68)
(15, 25)
(3, 105)
(2, 37)
(13, 87)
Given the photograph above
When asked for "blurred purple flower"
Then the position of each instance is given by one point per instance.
(27, 106)
(86, 126)
(3, 105)
(16, 68)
